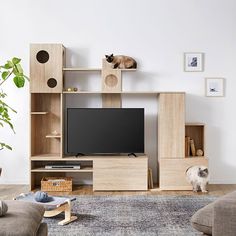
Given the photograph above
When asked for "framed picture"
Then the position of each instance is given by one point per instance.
(214, 87)
(193, 61)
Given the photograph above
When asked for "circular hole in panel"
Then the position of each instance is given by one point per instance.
(52, 83)
(42, 56)
(111, 80)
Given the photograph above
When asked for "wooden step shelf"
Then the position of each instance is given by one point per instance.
(83, 169)
(81, 69)
(47, 156)
(53, 136)
(39, 113)
(123, 92)
(92, 69)
(58, 158)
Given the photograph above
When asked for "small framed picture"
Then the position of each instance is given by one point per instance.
(214, 87)
(193, 61)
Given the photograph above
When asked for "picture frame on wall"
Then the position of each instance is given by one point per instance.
(214, 87)
(193, 61)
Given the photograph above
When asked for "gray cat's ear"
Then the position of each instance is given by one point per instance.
(112, 55)
(206, 170)
(106, 56)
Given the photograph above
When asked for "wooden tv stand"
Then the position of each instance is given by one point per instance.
(109, 172)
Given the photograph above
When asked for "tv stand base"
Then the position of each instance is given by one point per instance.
(132, 154)
(79, 155)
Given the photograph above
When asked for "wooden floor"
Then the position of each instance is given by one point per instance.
(10, 191)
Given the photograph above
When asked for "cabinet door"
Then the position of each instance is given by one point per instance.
(171, 125)
(120, 173)
(173, 172)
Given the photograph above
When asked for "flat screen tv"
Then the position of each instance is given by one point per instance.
(105, 130)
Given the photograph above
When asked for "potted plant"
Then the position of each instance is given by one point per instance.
(11, 69)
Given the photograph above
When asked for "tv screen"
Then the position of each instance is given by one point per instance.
(105, 130)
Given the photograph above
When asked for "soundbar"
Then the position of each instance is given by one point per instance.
(76, 167)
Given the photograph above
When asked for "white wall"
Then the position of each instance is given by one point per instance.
(156, 33)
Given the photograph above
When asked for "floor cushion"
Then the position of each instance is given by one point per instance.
(202, 220)
(22, 218)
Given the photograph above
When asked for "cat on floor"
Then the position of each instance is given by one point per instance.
(198, 176)
(121, 62)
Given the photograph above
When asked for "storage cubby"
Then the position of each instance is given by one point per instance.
(39, 166)
(194, 132)
(46, 124)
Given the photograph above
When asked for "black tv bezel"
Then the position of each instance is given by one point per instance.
(106, 153)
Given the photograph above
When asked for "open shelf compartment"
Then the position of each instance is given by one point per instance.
(194, 135)
(46, 120)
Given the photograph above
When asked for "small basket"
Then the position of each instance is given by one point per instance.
(56, 184)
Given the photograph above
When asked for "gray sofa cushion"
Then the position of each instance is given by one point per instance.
(224, 215)
(43, 230)
(202, 220)
(22, 218)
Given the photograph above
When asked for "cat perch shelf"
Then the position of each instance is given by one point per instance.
(92, 69)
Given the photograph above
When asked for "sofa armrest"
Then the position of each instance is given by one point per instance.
(224, 217)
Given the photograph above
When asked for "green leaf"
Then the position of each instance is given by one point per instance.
(19, 68)
(5, 74)
(15, 60)
(10, 64)
(8, 147)
(6, 66)
(19, 81)
(3, 145)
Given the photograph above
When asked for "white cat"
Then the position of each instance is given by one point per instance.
(198, 176)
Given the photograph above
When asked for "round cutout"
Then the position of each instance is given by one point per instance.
(111, 80)
(42, 56)
(52, 83)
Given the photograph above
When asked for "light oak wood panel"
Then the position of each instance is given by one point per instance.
(84, 170)
(111, 101)
(172, 172)
(120, 173)
(39, 113)
(91, 69)
(171, 125)
(62, 131)
(82, 69)
(111, 79)
(41, 72)
(114, 92)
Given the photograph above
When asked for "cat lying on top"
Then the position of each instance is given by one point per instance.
(121, 62)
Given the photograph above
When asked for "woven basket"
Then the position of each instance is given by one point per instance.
(56, 184)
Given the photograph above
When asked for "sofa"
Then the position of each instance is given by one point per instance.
(217, 218)
(23, 218)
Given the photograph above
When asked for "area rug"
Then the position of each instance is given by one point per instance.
(131, 216)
